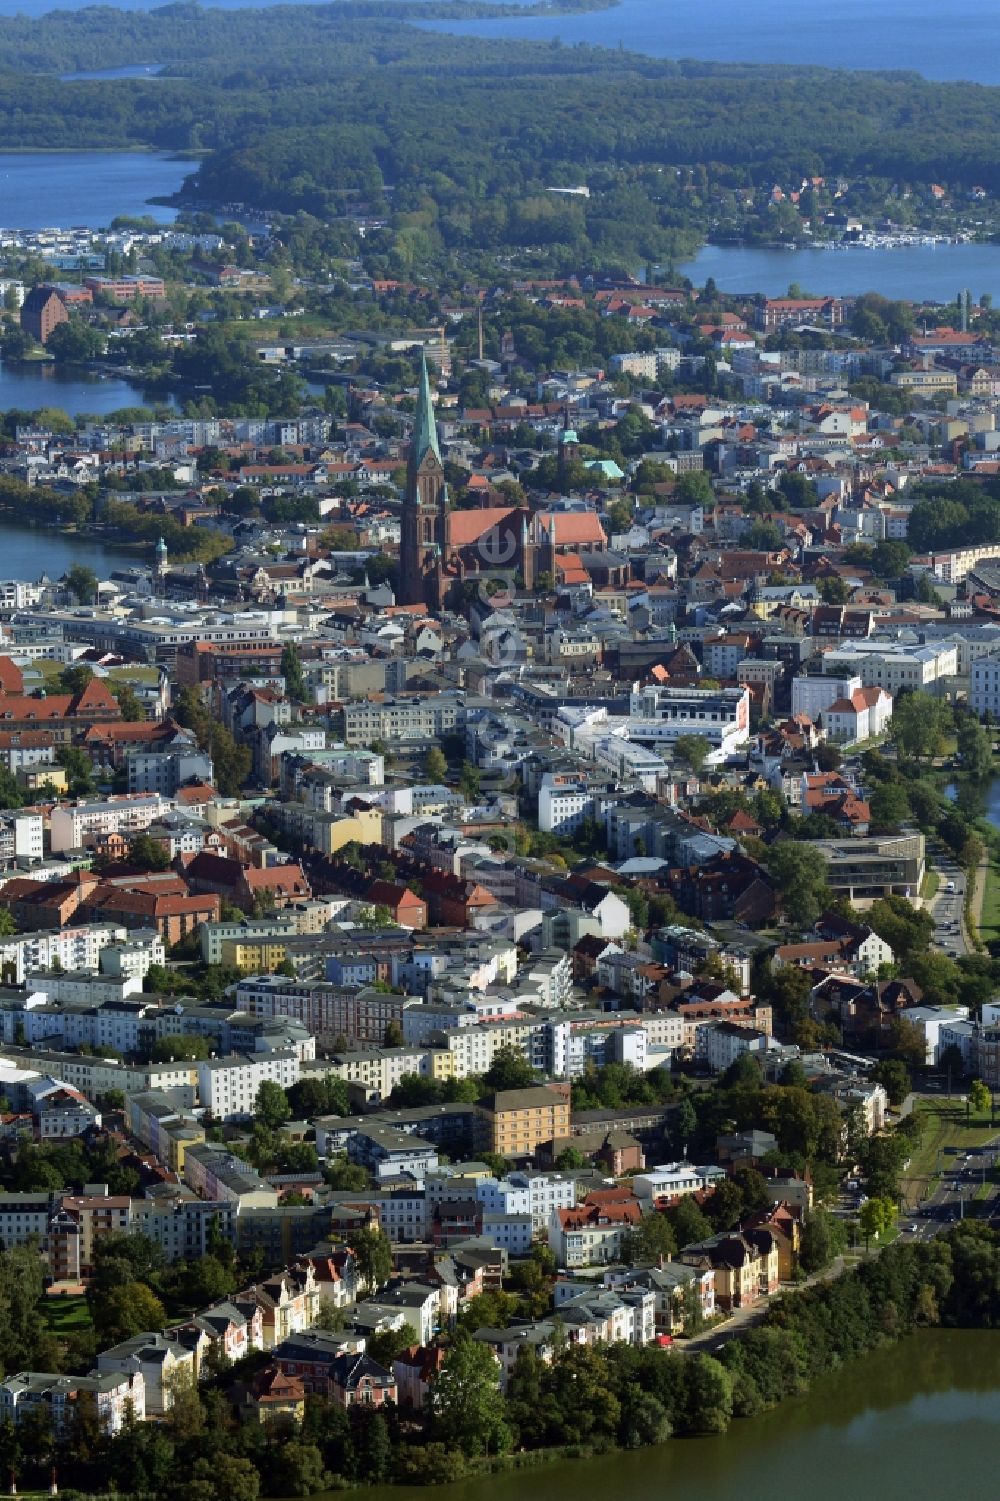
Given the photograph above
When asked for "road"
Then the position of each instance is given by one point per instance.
(964, 1173)
(946, 907)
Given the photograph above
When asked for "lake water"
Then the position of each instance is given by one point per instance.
(39, 189)
(922, 36)
(27, 553)
(919, 273)
(919, 1420)
(32, 385)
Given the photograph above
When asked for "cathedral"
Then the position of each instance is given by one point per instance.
(422, 524)
(440, 550)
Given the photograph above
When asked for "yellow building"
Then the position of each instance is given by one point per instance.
(363, 827)
(31, 778)
(515, 1122)
(177, 1139)
(253, 956)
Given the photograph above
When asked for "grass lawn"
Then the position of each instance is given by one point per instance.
(929, 885)
(46, 667)
(946, 1133)
(989, 927)
(66, 1315)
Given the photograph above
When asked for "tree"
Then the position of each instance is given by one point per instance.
(291, 671)
(126, 1309)
(834, 590)
(980, 1097)
(709, 1396)
(302, 1470)
(653, 1237)
(878, 1215)
(692, 751)
(889, 806)
(373, 1254)
(763, 536)
(469, 781)
(148, 854)
(271, 1106)
(131, 705)
(181, 1045)
(435, 766)
(889, 559)
(75, 342)
(81, 582)
(689, 1223)
(343, 1175)
(509, 1070)
(919, 725)
(799, 873)
(907, 929)
(975, 747)
(393, 1036)
(952, 1061)
(822, 1240)
(385, 1346)
(466, 1406)
(684, 1125)
(894, 1077)
(78, 768)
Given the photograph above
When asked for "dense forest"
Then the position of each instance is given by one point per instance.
(456, 140)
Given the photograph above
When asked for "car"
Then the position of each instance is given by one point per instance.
(949, 886)
(913, 1229)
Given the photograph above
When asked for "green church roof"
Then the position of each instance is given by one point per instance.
(424, 425)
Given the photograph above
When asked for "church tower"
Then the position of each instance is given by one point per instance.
(421, 539)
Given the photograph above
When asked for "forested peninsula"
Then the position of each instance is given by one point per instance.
(456, 142)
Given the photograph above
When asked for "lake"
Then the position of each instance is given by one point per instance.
(919, 1420)
(26, 553)
(921, 36)
(42, 189)
(32, 385)
(919, 273)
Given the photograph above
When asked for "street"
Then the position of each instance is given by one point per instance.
(964, 1173)
(947, 906)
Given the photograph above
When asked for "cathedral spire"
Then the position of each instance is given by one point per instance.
(425, 436)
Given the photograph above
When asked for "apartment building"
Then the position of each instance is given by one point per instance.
(21, 837)
(76, 826)
(592, 1233)
(227, 1087)
(515, 1122)
(118, 1397)
(216, 1174)
(327, 1011)
(69, 948)
(125, 288)
(565, 799)
(418, 720)
(659, 716)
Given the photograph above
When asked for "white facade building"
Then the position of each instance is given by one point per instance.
(660, 716)
(74, 824)
(228, 1087)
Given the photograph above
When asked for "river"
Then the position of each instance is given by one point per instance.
(921, 1419)
(922, 36)
(917, 273)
